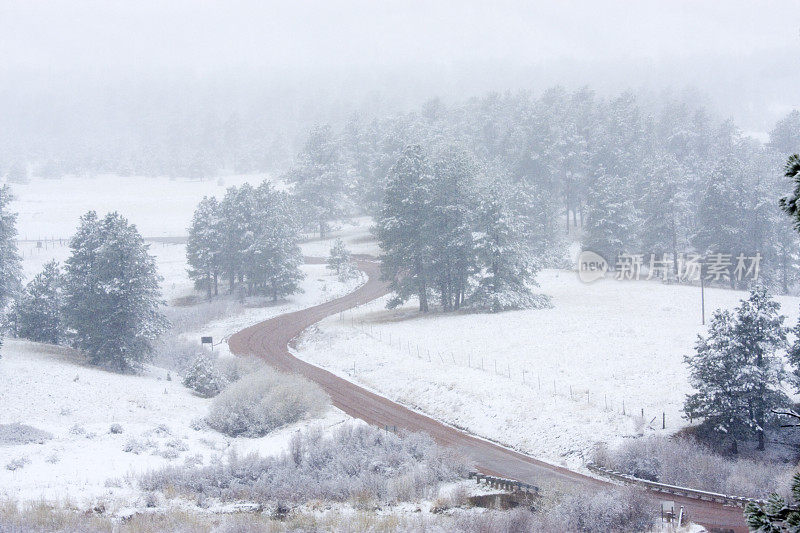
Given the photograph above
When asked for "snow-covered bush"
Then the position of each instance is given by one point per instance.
(203, 377)
(264, 401)
(684, 462)
(16, 433)
(115, 429)
(191, 318)
(341, 263)
(175, 353)
(357, 461)
(492, 521)
(135, 446)
(495, 301)
(235, 368)
(619, 510)
(18, 463)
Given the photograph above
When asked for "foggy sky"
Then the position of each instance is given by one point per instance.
(745, 55)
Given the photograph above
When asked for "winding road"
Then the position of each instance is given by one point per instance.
(270, 340)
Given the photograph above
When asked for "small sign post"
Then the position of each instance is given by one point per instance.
(208, 340)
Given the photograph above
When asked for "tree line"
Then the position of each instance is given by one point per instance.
(619, 174)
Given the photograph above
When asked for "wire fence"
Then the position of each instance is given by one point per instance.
(521, 376)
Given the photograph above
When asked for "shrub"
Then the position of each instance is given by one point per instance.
(115, 429)
(685, 462)
(264, 401)
(18, 463)
(512, 521)
(355, 462)
(619, 510)
(17, 433)
(203, 377)
(175, 353)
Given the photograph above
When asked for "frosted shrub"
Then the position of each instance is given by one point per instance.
(684, 462)
(186, 319)
(264, 401)
(203, 377)
(513, 521)
(17, 433)
(235, 368)
(357, 462)
(619, 510)
(18, 463)
(175, 353)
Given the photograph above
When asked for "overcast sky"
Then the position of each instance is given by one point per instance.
(693, 42)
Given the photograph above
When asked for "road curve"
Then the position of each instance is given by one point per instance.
(270, 340)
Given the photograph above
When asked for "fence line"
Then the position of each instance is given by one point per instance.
(581, 396)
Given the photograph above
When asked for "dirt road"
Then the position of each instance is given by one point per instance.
(270, 339)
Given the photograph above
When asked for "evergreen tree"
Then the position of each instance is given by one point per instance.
(611, 218)
(661, 206)
(785, 136)
(789, 203)
(276, 263)
(272, 261)
(402, 230)
(319, 178)
(721, 212)
(204, 248)
(10, 261)
(451, 204)
(36, 313)
(238, 214)
(507, 266)
(111, 289)
(736, 371)
(776, 515)
(340, 261)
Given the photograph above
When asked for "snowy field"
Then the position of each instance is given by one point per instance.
(550, 382)
(160, 207)
(53, 390)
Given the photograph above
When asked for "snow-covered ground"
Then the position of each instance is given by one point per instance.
(551, 382)
(160, 207)
(52, 389)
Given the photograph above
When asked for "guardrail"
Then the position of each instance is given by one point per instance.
(504, 483)
(664, 488)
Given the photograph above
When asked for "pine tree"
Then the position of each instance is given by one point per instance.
(507, 267)
(611, 217)
(402, 230)
(36, 313)
(10, 261)
(238, 217)
(736, 369)
(451, 204)
(319, 178)
(722, 211)
(272, 260)
(340, 261)
(112, 294)
(204, 248)
(776, 515)
(661, 206)
(785, 136)
(789, 203)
